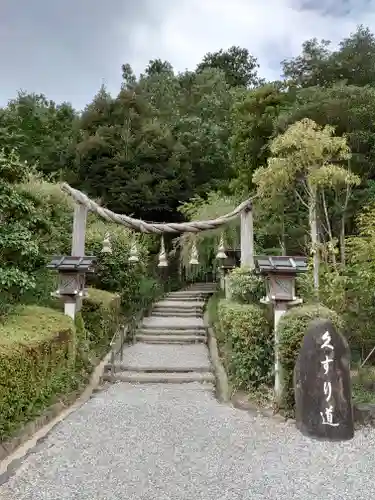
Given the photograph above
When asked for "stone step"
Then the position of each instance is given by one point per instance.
(170, 339)
(177, 308)
(144, 331)
(162, 378)
(182, 304)
(175, 314)
(122, 367)
(189, 299)
(171, 323)
(186, 299)
(173, 310)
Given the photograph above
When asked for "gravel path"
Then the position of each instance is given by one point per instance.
(163, 442)
(151, 356)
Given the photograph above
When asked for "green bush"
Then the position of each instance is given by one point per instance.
(248, 344)
(101, 314)
(246, 287)
(115, 274)
(37, 363)
(292, 328)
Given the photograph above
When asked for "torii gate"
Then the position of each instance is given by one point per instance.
(83, 204)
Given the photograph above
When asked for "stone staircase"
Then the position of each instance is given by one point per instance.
(170, 344)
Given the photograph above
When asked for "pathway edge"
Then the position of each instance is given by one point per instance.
(222, 385)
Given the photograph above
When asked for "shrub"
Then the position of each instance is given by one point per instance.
(292, 328)
(37, 362)
(246, 287)
(248, 344)
(101, 314)
(56, 208)
(113, 272)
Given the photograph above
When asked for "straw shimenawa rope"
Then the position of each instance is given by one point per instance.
(153, 227)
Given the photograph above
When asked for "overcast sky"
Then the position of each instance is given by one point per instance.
(67, 48)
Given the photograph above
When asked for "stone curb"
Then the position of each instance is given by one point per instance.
(15, 450)
(222, 385)
(240, 402)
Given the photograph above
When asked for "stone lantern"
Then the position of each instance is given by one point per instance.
(72, 272)
(280, 275)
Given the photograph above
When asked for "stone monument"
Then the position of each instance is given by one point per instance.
(322, 384)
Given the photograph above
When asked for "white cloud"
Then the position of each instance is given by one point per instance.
(71, 51)
(271, 30)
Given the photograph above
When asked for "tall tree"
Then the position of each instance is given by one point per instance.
(307, 157)
(253, 120)
(351, 110)
(130, 161)
(352, 63)
(40, 131)
(157, 66)
(239, 66)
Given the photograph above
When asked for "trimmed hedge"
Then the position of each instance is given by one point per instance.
(248, 344)
(101, 314)
(292, 328)
(44, 355)
(37, 360)
(246, 287)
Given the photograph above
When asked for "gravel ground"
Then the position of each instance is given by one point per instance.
(165, 442)
(151, 356)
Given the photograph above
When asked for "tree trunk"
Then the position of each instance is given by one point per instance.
(342, 241)
(313, 222)
(282, 239)
(331, 251)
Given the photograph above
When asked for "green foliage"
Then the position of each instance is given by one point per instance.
(253, 118)
(292, 328)
(114, 273)
(349, 109)
(20, 225)
(238, 65)
(40, 131)
(246, 287)
(101, 314)
(363, 385)
(37, 360)
(37, 219)
(157, 143)
(360, 282)
(212, 206)
(351, 63)
(247, 344)
(303, 154)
